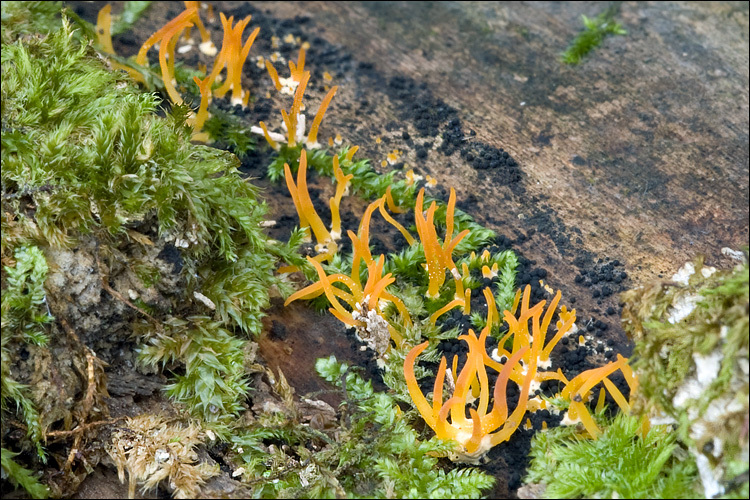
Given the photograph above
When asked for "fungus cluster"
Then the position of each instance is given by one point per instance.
(524, 364)
(439, 256)
(366, 303)
(167, 37)
(296, 73)
(293, 121)
(232, 56)
(308, 217)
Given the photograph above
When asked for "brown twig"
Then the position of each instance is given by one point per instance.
(91, 361)
(82, 428)
(88, 400)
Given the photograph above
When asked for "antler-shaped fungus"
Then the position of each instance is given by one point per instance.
(537, 357)
(485, 429)
(104, 37)
(296, 73)
(233, 55)
(578, 392)
(204, 86)
(167, 37)
(365, 314)
(308, 217)
(294, 121)
(438, 257)
(342, 188)
(206, 45)
(526, 361)
(365, 302)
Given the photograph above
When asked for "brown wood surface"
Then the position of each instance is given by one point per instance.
(643, 146)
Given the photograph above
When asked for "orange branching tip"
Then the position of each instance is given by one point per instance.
(578, 391)
(205, 37)
(292, 119)
(161, 36)
(342, 188)
(409, 238)
(297, 71)
(226, 47)
(205, 89)
(467, 301)
(492, 315)
(270, 141)
(166, 48)
(303, 203)
(432, 249)
(489, 272)
(103, 27)
(273, 74)
(350, 154)
(391, 203)
(312, 138)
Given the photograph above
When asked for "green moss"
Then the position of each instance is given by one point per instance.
(93, 156)
(213, 383)
(85, 153)
(691, 358)
(24, 316)
(28, 18)
(375, 454)
(505, 288)
(225, 128)
(24, 306)
(147, 273)
(21, 476)
(619, 464)
(595, 30)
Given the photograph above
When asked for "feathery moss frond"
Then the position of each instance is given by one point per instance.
(620, 463)
(21, 476)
